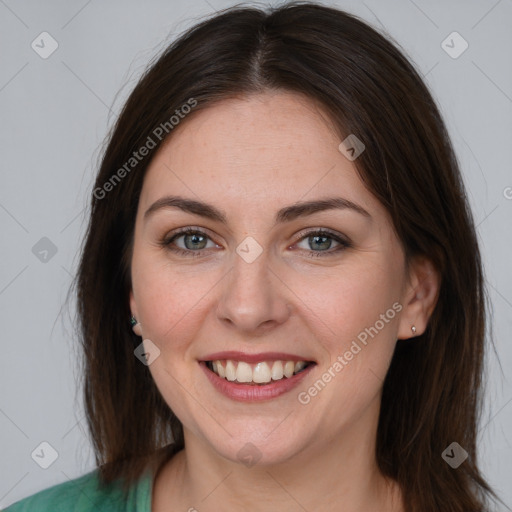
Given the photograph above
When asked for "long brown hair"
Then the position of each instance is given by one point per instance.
(432, 392)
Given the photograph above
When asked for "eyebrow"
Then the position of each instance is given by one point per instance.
(286, 214)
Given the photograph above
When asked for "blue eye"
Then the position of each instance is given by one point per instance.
(195, 241)
(322, 239)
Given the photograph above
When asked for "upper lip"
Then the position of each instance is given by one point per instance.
(254, 358)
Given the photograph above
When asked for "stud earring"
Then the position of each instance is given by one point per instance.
(413, 329)
(136, 326)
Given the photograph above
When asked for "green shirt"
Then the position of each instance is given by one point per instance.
(83, 495)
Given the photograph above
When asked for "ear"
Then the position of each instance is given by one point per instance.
(137, 328)
(419, 299)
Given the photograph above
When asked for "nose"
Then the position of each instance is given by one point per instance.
(253, 298)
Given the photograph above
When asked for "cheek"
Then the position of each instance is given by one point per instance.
(356, 313)
(171, 300)
(350, 301)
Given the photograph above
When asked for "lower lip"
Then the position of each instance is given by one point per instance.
(254, 393)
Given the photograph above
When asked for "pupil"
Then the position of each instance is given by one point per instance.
(315, 238)
(194, 238)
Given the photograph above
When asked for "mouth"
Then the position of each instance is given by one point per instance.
(256, 377)
(260, 373)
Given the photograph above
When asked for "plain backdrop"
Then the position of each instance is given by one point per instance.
(55, 113)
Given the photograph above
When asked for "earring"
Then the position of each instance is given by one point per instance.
(413, 329)
(136, 326)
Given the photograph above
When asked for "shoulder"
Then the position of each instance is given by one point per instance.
(84, 494)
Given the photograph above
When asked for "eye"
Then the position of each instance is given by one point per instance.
(194, 240)
(322, 240)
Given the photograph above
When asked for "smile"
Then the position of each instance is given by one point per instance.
(259, 373)
(255, 378)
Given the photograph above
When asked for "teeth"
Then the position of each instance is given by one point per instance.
(259, 373)
(299, 366)
(289, 367)
(243, 372)
(230, 370)
(277, 370)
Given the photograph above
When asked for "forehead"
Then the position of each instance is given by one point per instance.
(277, 147)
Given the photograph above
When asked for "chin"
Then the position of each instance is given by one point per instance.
(255, 449)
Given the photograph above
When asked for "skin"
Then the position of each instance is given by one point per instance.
(250, 157)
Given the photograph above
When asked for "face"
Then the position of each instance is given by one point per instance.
(263, 281)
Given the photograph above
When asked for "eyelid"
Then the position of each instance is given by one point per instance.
(192, 230)
(188, 229)
(324, 231)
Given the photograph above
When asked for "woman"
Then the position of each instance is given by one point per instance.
(280, 215)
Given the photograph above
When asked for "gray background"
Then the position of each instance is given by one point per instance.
(55, 115)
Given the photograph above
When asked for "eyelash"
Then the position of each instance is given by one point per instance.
(167, 241)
